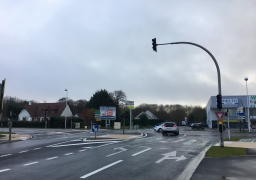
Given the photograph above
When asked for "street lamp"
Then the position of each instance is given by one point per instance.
(248, 105)
(66, 109)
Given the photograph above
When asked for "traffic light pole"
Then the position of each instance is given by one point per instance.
(214, 60)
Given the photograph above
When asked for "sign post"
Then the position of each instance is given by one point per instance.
(219, 116)
(130, 105)
(95, 128)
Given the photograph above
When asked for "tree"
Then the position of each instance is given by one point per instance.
(198, 114)
(119, 98)
(100, 98)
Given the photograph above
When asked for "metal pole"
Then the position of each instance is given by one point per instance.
(123, 122)
(228, 126)
(248, 106)
(217, 67)
(66, 109)
(130, 119)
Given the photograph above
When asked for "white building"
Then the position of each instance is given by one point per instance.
(231, 103)
(37, 111)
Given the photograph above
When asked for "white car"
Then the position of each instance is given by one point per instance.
(158, 127)
(170, 127)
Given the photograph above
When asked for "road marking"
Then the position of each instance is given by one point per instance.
(171, 155)
(3, 170)
(141, 152)
(121, 148)
(82, 150)
(52, 158)
(179, 140)
(189, 142)
(23, 151)
(37, 148)
(78, 144)
(5, 155)
(101, 169)
(68, 154)
(30, 163)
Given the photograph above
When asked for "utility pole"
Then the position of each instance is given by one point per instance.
(154, 43)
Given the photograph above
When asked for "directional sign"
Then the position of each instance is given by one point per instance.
(219, 114)
(95, 128)
(171, 155)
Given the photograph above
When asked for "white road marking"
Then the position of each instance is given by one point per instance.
(78, 144)
(68, 154)
(101, 169)
(5, 155)
(52, 158)
(179, 140)
(37, 148)
(121, 148)
(30, 163)
(3, 170)
(141, 152)
(23, 151)
(82, 150)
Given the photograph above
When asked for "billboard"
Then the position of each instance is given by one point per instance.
(252, 101)
(107, 112)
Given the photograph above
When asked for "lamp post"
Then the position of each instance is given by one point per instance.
(248, 105)
(66, 109)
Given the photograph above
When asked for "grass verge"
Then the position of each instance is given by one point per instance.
(217, 151)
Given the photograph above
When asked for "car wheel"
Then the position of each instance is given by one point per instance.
(160, 130)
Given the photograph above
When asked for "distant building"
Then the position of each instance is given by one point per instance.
(149, 115)
(231, 103)
(37, 111)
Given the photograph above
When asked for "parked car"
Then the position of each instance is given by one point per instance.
(158, 127)
(170, 127)
(197, 126)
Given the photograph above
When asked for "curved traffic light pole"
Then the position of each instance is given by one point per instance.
(214, 60)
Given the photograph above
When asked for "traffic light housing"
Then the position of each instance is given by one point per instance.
(219, 101)
(2, 95)
(154, 44)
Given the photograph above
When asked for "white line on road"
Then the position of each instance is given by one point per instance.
(82, 150)
(5, 155)
(30, 163)
(52, 158)
(101, 169)
(68, 154)
(141, 152)
(23, 151)
(37, 148)
(3, 170)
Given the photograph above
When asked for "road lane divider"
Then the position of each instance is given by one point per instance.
(30, 164)
(141, 152)
(52, 158)
(101, 169)
(5, 155)
(3, 170)
(37, 148)
(23, 151)
(68, 154)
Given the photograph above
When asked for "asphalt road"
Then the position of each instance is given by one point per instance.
(66, 156)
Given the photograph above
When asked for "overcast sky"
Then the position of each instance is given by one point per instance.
(47, 46)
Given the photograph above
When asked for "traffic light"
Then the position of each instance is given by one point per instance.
(2, 95)
(154, 44)
(219, 101)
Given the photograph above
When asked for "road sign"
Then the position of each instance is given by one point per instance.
(219, 114)
(95, 128)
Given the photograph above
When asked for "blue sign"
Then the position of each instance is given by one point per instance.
(95, 128)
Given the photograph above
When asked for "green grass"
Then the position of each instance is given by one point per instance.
(237, 138)
(217, 151)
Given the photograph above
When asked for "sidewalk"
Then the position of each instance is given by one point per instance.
(14, 137)
(233, 168)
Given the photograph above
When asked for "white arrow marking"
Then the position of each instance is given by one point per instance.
(121, 148)
(171, 155)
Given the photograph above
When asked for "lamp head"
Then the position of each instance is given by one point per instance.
(246, 78)
(66, 90)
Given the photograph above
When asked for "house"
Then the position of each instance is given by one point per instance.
(149, 115)
(37, 111)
